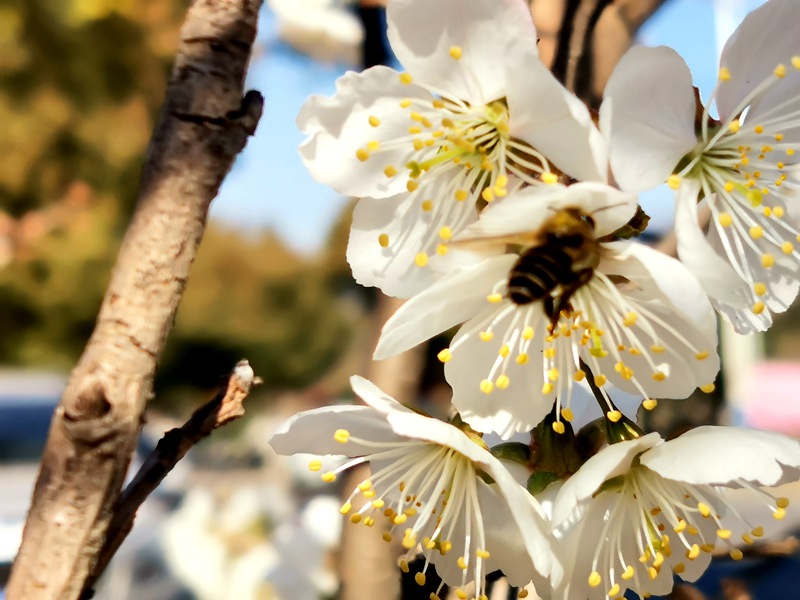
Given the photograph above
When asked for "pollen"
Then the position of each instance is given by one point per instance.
(724, 74)
(600, 380)
(725, 219)
(780, 71)
(527, 333)
(613, 416)
(547, 388)
(567, 414)
(734, 127)
(427, 205)
(595, 579)
(362, 154)
(612, 593)
(701, 355)
(502, 382)
(759, 129)
(486, 336)
(630, 319)
(486, 386)
(455, 52)
(579, 375)
(758, 308)
(674, 181)
(341, 436)
(693, 552)
(346, 507)
(549, 178)
(787, 247)
(383, 240)
(487, 195)
(504, 350)
(374, 121)
(315, 465)
(627, 573)
(461, 195)
(405, 103)
(405, 78)
(412, 185)
(756, 232)
(736, 554)
(328, 477)
(420, 578)
(445, 355)
(521, 359)
(390, 171)
(650, 403)
(421, 259)
(778, 212)
(708, 388)
(494, 298)
(659, 376)
(446, 233)
(767, 260)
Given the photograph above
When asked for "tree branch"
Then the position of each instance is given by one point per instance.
(227, 405)
(204, 124)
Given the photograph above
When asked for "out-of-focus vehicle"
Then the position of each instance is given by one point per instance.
(138, 571)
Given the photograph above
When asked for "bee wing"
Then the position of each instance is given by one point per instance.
(488, 243)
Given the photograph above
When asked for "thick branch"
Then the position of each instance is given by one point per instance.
(227, 405)
(204, 124)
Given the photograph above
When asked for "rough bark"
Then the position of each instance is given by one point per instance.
(204, 124)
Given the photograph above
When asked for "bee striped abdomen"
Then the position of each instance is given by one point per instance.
(535, 275)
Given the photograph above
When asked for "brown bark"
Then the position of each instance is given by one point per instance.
(204, 124)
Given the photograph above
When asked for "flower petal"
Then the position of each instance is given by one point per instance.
(721, 455)
(340, 126)
(452, 46)
(450, 301)
(760, 43)
(610, 462)
(647, 116)
(714, 273)
(552, 120)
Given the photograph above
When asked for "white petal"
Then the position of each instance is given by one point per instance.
(721, 455)
(715, 274)
(526, 210)
(422, 35)
(647, 116)
(610, 462)
(339, 126)
(410, 231)
(450, 301)
(552, 120)
(763, 40)
(312, 431)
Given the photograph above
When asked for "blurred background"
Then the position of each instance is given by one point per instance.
(81, 83)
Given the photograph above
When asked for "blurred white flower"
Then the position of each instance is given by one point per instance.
(739, 166)
(649, 509)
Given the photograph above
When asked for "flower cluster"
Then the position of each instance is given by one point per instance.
(491, 199)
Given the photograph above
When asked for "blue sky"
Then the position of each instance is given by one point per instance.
(270, 188)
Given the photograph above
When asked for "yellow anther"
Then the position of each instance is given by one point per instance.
(527, 333)
(414, 130)
(378, 503)
(362, 154)
(725, 219)
(558, 427)
(701, 355)
(759, 288)
(550, 178)
(412, 185)
(405, 78)
(482, 554)
(787, 247)
(552, 374)
(724, 534)
(680, 526)
(486, 336)
(613, 415)
(409, 540)
(756, 232)
(355, 518)
(445, 355)
(418, 144)
(782, 502)
(369, 494)
(704, 509)
(627, 573)
(486, 386)
(595, 579)
(796, 62)
(415, 116)
(455, 52)
(427, 205)
(420, 578)
(502, 382)
(494, 298)
(346, 508)
(421, 259)
(487, 195)
(521, 359)
(778, 212)
(693, 552)
(341, 436)
(708, 388)
(659, 376)
(550, 352)
(736, 554)
(523, 593)
(428, 543)
(650, 403)
(374, 121)
(652, 572)
(567, 414)
(674, 181)
(758, 308)
(504, 350)
(758, 129)
(387, 537)
(314, 464)
(399, 519)
(790, 151)
(405, 103)
(404, 566)
(461, 195)
(767, 260)
(328, 477)
(612, 593)
(780, 71)
(724, 74)
(679, 568)
(462, 563)
(779, 514)
(657, 349)
(548, 388)
(390, 171)
(579, 375)
(383, 240)
(767, 211)
(600, 380)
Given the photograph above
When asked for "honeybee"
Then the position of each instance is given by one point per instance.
(561, 260)
(554, 261)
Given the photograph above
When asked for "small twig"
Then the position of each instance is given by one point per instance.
(227, 405)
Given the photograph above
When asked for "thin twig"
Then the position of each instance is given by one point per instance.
(227, 405)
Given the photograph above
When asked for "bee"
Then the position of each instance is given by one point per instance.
(561, 260)
(554, 261)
